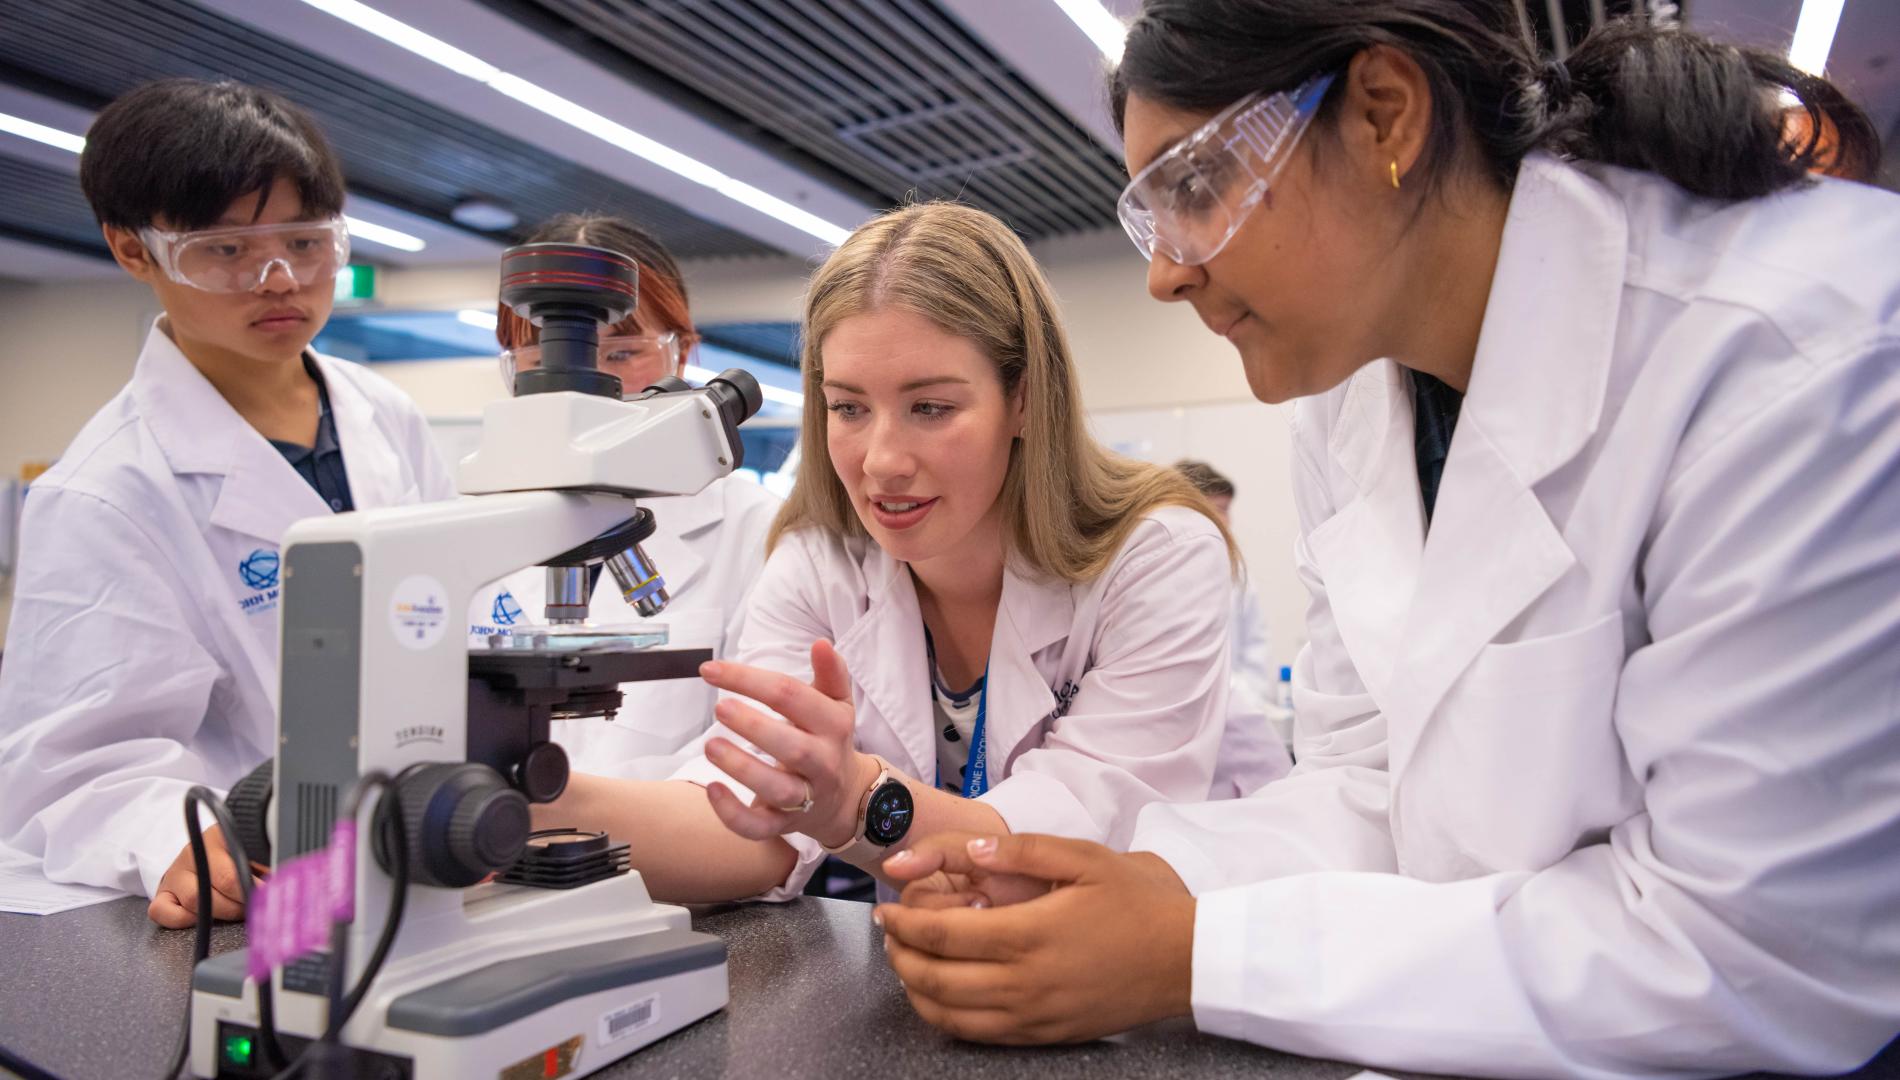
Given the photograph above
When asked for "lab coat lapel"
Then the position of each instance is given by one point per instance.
(1034, 614)
(373, 464)
(1368, 552)
(884, 650)
(1536, 394)
(199, 432)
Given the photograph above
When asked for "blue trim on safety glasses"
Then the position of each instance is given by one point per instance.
(1191, 200)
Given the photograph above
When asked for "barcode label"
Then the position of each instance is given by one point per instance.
(626, 1021)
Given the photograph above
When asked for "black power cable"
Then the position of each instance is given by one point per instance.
(326, 1053)
(325, 1048)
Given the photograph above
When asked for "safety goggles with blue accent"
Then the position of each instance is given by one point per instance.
(239, 258)
(1189, 202)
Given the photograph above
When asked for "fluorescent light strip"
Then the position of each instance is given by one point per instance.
(384, 235)
(40, 133)
(1100, 24)
(578, 116)
(779, 394)
(1814, 34)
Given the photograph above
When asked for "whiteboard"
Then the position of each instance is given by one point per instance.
(1252, 445)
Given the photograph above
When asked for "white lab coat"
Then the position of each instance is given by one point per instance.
(710, 548)
(1102, 696)
(1253, 752)
(1602, 776)
(142, 652)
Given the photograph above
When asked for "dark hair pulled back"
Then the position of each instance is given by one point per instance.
(1707, 116)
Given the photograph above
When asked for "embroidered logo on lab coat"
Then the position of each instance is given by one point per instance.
(1065, 697)
(258, 573)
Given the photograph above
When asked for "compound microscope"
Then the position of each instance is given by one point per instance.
(562, 964)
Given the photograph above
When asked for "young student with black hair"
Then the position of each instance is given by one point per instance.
(1598, 445)
(142, 652)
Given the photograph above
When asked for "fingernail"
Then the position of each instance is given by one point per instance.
(982, 847)
(887, 943)
(898, 859)
(979, 902)
(710, 669)
(877, 917)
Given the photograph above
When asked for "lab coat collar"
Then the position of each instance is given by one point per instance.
(1368, 552)
(1535, 399)
(199, 432)
(884, 645)
(1543, 361)
(1034, 614)
(1414, 609)
(369, 458)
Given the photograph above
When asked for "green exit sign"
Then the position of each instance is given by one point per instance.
(356, 282)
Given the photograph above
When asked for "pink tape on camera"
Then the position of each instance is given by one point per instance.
(291, 912)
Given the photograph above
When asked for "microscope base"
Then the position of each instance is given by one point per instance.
(562, 1012)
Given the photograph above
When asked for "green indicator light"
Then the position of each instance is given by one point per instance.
(238, 1049)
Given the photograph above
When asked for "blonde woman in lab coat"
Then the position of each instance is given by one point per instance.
(973, 617)
(1598, 475)
(143, 646)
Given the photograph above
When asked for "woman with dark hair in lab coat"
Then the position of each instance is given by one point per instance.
(1598, 443)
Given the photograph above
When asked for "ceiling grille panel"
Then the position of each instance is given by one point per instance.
(44, 205)
(894, 95)
(395, 147)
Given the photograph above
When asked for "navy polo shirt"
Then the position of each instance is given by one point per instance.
(321, 465)
(1434, 415)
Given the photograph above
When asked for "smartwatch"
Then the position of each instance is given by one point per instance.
(884, 818)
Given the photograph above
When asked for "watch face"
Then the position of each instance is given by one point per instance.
(887, 818)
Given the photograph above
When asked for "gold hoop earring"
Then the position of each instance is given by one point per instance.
(1395, 174)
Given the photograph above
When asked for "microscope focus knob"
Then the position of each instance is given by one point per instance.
(462, 821)
(542, 773)
(489, 830)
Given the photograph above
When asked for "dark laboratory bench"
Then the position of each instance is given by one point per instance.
(99, 993)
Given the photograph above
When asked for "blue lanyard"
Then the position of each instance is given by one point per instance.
(976, 774)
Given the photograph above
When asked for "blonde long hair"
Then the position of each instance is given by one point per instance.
(1068, 503)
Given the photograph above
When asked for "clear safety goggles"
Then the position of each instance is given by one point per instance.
(240, 258)
(639, 360)
(1189, 202)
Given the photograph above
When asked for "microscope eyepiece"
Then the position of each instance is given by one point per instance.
(569, 291)
(737, 393)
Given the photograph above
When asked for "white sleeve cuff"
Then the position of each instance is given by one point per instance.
(1223, 953)
(1158, 832)
(1032, 802)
